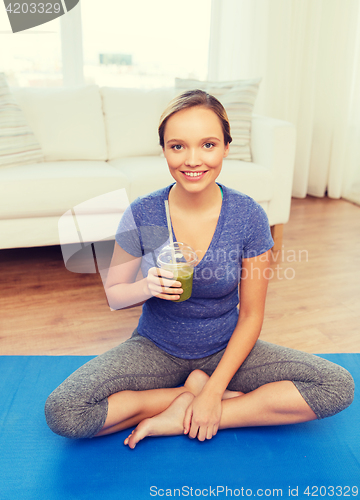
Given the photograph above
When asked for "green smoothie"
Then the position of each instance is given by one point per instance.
(180, 259)
(185, 276)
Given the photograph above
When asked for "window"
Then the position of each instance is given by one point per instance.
(31, 58)
(143, 43)
(137, 43)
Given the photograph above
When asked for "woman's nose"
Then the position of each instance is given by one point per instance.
(193, 158)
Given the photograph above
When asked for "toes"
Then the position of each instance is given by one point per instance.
(129, 442)
(126, 442)
(134, 439)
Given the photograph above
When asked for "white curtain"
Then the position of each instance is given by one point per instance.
(308, 55)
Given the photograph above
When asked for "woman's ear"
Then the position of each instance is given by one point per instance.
(226, 150)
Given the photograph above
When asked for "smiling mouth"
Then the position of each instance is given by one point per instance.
(194, 174)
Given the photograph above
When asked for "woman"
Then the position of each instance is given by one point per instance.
(196, 366)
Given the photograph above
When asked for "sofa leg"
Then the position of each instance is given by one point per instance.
(277, 234)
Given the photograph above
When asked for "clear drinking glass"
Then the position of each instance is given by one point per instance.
(180, 259)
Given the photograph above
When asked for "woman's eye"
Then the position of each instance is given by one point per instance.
(177, 147)
(208, 145)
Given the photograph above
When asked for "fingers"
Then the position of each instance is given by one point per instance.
(156, 271)
(214, 431)
(161, 284)
(197, 431)
(194, 430)
(202, 432)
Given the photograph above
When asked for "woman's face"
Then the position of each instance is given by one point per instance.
(194, 147)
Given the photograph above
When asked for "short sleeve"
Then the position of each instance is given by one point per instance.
(127, 234)
(258, 237)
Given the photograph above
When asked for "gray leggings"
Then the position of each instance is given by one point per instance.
(78, 407)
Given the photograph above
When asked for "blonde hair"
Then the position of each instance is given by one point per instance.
(192, 98)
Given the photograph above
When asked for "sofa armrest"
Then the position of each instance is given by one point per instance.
(273, 145)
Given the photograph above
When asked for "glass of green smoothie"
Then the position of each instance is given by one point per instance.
(180, 259)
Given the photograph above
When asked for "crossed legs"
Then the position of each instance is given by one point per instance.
(137, 384)
(277, 403)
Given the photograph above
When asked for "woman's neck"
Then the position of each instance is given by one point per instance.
(193, 202)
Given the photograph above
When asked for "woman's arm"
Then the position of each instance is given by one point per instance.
(123, 291)
(203, 416)
(253, 288)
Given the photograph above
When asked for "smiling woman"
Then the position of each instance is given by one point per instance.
(195, 366)
(194, 133)
(194, 155)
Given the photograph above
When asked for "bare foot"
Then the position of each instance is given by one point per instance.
(196, 381)
(167, 423)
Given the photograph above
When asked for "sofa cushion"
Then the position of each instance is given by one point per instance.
(145, 173)
(252, 179)
(18, 144)
(238, 98)
(68, 122)
(50, 189)
(132, 120)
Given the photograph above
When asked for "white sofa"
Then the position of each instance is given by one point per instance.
(102, 140)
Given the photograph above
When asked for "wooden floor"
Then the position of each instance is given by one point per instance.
(313, 300)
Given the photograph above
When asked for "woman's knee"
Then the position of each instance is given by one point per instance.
(70, 417)
(346, 389)
(339, 390)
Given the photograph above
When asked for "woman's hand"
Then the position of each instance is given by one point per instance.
(202, 417)
(161, 284)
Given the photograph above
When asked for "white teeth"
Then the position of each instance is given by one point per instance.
(193, 174)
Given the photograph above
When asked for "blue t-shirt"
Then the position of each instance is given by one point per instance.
(203, 324)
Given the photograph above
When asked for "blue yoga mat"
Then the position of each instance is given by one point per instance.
(314, 459)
